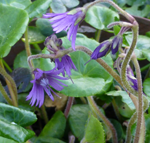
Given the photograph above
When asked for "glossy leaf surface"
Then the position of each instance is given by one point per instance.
(12, 27)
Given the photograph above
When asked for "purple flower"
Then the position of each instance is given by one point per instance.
(102, 50)
(66, 64)
(117, 41)
(116, 44)
(132, 80)
(53, 43)
(43, 80)
(68, 20)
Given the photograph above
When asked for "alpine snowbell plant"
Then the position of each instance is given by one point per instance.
(54, 85)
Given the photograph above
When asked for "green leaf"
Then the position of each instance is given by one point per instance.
(121, 3)
(147, 125)
(70, 3)
(124, 103)
(94, 132)
(59, 6)
(48, 140)
(5, 140)
(14, 131)
(38, 7)
(125, 97)
(22, 4)
(23, 104)
(87, 75)
(46, 29)
(55, 127)
(19, 116)
(35, 36)
(21, 60)
(146, 88)
(99, 17)
(12, 27)
(143, 43)
(78, 116)
(134, 10)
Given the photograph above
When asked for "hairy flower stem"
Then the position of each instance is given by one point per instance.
(10, 83)
(44, 114)
(140, 101)
(2, 90)
(27, 45)
(96, 110)
(68, 107)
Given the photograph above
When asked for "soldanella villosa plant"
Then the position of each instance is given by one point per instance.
(95, 88)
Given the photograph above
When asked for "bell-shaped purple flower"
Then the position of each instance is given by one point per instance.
(66, 64)
(116, 44)
(102, 50)
(68, 20)
(44, 81)
(117, 41)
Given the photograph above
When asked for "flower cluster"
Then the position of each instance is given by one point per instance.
(46, 80)
(67, 21)
(105, 47)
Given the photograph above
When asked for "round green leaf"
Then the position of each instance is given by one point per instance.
(21, 60)
(38, 7)
(55, 127)
(35, 36)
(99, 17)
(46, 29)
(146, 88)
(14, 131)
(94, 131)
(143, 43)
(78, 116)
(14, 114)
(87, 75)
(22, 4)
(12, 27)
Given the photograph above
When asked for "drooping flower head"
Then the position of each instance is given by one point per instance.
(66, 63)
(102, 50)
(53, 43)
(67, 21)
(44, 81)
(117, 41)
